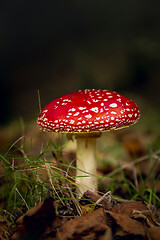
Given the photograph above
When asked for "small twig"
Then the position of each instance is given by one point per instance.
(107, 195)
(39, 100)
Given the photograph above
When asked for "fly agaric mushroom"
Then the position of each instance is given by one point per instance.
(86, 114)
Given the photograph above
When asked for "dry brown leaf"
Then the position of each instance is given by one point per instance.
(120, 214)
(147, 217)
(39, 220)
(129, 207)
(89, 226)
(134, 218)
(144, 217)
(127, 225)
(150, 217)
(153, 233)
(30, 212)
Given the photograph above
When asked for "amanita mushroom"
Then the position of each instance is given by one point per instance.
(86, 114)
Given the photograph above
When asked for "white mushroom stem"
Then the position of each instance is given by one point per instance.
(86, 163)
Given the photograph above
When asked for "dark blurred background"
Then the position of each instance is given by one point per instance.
(61, 46)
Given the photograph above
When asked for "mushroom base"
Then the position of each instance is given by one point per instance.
(86, 164)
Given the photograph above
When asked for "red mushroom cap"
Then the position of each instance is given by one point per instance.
(88, 111)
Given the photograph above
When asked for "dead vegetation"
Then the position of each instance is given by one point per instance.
(38, 190)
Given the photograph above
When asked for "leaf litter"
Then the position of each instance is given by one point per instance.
(104, 216)
(108, 220)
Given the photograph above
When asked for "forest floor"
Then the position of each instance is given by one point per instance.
(37, 187)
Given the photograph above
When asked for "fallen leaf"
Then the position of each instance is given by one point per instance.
(87, 208)
(153, 233)
(42, 219)
(151, 216)
(126, 224)
(151, 227)
(30, 212)
(128, 207)
(90, 226)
